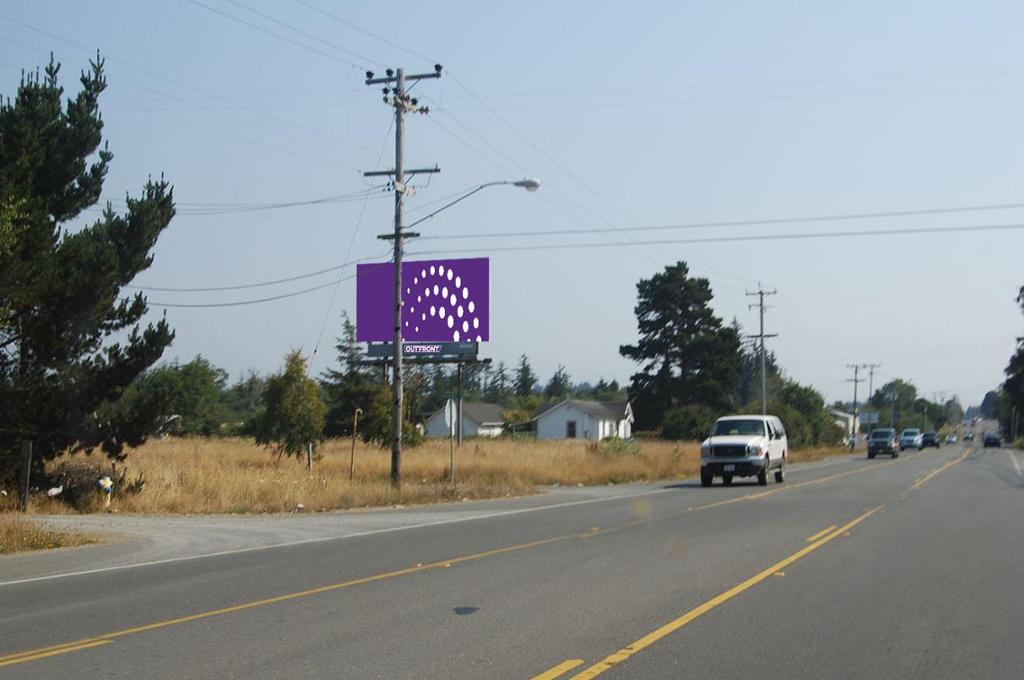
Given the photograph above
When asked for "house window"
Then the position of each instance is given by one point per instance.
(570, 429)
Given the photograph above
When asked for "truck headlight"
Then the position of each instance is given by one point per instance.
(755, 450)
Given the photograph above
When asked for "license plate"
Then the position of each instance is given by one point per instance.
(729, 468)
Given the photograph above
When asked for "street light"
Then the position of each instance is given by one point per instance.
(396, 362)
(528, 183)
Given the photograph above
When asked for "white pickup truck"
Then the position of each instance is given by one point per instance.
(744, 446)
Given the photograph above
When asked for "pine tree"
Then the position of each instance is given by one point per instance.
(559, 386)
(61, 287)
(351, 386)
(687, 355)
(497, 387)
(526, 379)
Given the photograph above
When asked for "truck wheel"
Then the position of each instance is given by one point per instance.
(762, 476)
(706, 479)
(726, 480)
(780, 474)
(871, 454)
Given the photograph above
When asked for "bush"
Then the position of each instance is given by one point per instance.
(692, 421)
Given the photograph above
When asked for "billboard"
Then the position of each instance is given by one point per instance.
(442, 301)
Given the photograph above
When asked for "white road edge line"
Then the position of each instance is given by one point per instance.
(358, 534)
(1016, 463)
(324, 539)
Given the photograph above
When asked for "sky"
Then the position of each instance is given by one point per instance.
(631, 114)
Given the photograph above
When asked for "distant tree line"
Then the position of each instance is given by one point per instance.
(1007, 402)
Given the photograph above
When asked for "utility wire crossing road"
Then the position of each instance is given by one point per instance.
(851, 569)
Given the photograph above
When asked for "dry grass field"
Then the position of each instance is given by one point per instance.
(194, 475)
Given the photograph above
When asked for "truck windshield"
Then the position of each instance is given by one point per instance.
(740, 427)
(881, 434)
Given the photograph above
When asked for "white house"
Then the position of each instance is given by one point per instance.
(846, 421)
(479, 419)
(578, 419)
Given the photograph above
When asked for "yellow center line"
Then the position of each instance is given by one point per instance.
(674, 625)
(812, 539)
(62, 649)
(559, 670)
(87, 643)
(798, 485)
(924, 480)
(816, 541)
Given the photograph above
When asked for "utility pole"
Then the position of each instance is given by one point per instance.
(760, 293)
(855, 380)
(397, 98)
(871, 378)
(26, 452)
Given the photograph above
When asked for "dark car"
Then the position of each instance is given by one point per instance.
(930, 439)
(883, 440)
(991, 439)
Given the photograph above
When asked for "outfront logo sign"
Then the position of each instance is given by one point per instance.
(442, 301)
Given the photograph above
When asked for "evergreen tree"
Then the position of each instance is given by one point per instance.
(61, 287)
(497, 389)
(559, 386)
(1013, 387)
(525, 379)
(349, 387)
(687, 355)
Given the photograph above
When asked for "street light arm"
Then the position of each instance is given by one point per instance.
(450, 204)
(528, 184)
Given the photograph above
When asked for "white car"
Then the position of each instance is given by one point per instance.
(744, 446)
(911, 438)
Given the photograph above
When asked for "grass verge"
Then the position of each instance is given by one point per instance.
(18, 535)
(195, 475)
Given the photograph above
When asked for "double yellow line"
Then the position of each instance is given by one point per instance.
(674, 625)
(89, 643)
(815, 541)
(98, 641)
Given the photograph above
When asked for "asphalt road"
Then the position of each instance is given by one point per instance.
(907, 568)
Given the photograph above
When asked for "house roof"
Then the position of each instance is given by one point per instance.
(608, 410)
(480, 412)
(483, 412)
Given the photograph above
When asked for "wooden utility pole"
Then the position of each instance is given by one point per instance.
(397, 98)
(761, 293)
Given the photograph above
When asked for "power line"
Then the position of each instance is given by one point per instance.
(205, 94)
(231, 209)
(306, 34)
(576, 246)
(775, 237)
(752, 237)
(348, 254)
(364, 31)
(738, 223)
(241, 303)
(267, 31)
(260, 284)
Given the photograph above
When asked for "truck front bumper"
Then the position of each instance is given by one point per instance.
(737, 467)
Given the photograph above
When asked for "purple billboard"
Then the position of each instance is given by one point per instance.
(442, 301)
